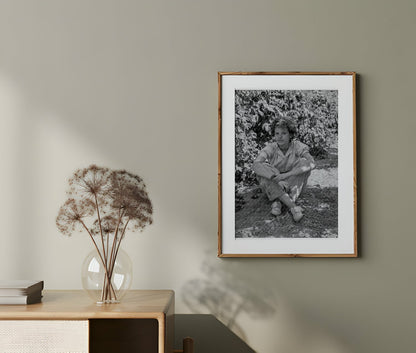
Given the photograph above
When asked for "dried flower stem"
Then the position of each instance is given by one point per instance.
(101, 227)
(108, 289)
(118, 247)
(107, 281)
(113, 248)
(107, 276)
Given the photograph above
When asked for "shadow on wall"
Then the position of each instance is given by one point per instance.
(227, 294)
(246, 300)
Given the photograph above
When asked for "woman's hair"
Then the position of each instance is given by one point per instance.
(283, 122)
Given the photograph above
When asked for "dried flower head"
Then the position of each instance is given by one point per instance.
(90, 182)
(108, 225)
(72, 213)
(128, 193)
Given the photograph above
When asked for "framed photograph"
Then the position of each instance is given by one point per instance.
(287, 164)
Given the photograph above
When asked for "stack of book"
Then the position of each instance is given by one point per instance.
(20, 292)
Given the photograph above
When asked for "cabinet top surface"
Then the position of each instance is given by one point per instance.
(77, 305)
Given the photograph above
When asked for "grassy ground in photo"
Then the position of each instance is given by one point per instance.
(319, 202)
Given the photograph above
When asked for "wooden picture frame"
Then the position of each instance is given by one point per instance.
(287, 164)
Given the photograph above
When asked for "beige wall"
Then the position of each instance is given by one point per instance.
(132, 84)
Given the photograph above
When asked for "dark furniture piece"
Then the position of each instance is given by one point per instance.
(209, 335)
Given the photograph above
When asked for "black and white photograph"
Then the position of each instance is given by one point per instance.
(282, 164)
(286, 171)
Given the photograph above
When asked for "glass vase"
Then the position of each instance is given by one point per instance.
(95, 277)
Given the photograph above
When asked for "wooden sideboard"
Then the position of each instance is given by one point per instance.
(142, 322)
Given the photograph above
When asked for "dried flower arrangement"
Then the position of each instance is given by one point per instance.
(105, 203)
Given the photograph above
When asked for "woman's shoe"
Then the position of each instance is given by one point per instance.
(276, 208)
(296, 213)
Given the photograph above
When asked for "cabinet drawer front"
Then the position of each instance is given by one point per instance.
(43, 336)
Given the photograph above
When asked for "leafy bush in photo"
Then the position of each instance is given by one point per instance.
(315, 113)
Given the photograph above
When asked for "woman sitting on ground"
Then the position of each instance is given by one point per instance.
(283, 168)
